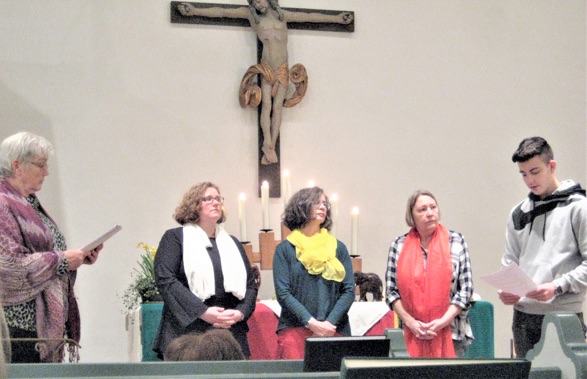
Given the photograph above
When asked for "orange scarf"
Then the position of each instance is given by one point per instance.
(425, 290)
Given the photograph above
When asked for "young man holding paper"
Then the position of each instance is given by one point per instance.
(547, 237)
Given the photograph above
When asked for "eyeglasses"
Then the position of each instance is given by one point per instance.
(210, 199)
(42, 166)
(325, 203)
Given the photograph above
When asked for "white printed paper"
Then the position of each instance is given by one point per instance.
(511, 279)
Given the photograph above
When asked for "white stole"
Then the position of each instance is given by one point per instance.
(198, 265)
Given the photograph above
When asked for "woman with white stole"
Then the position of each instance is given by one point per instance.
(203, 273)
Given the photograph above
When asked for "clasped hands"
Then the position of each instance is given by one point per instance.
(221, 318)
(426, 330)
(321, 328)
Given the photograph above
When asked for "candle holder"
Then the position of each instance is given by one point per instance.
(249, 251)
(284, 232)
(267, 248)
(267, 244)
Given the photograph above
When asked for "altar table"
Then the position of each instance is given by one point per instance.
(366, 318)
(263, 324)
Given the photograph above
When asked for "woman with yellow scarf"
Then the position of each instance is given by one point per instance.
(312, 274)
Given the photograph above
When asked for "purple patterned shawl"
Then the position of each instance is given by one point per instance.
(28, 270)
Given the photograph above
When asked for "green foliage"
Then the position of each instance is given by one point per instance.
(143, 285)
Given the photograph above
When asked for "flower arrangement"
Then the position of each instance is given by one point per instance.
(143, 286)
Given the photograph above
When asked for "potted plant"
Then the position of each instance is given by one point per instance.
(142, 288)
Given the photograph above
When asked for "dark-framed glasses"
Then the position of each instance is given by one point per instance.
(210, 199)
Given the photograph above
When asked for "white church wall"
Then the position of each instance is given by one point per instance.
(423, 94)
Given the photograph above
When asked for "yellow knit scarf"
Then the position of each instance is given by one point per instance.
(318, 254)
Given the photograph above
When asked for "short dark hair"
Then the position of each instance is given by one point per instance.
(299, 209)
(531, 147)
(213, 345)
(188, 210)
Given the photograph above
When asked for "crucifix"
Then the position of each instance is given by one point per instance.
(270, 23)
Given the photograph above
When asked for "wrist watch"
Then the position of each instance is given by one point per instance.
(558, 290)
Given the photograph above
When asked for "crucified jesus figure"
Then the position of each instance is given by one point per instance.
(269, 22)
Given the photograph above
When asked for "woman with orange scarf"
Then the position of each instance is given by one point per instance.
(429, 282)
(313, 276)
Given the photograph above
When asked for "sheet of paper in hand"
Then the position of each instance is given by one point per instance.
(92, 245)
(511, 279)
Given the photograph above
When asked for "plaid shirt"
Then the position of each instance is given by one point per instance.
(461, 286)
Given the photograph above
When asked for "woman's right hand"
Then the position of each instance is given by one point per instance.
(75, 258)
(321, 328)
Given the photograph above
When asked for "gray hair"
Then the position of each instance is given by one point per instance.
(22, 147)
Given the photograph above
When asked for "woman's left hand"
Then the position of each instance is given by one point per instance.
(436, 326)
(227, 318)
(92, 257)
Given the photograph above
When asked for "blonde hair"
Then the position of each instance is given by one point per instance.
(412, 201)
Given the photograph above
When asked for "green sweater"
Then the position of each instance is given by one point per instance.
(303, 296)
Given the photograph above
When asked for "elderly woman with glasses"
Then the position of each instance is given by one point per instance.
(203, 273)
(313, 276)
(37, 271)
(430, 283)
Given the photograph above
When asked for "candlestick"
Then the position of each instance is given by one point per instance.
(265, 204)
(333, 213)
(242, 217)
(286, 187)
(354, 230)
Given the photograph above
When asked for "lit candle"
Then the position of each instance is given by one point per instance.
(286, 187)
(311, 183)
(354, 230)
(265, 203)
(333, 212)
(242, 216)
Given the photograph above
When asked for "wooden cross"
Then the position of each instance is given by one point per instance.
(245, 15)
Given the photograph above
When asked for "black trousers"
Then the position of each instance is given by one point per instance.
(527, 329)
(23, 352)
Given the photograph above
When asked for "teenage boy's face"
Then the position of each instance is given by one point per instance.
(539, 176)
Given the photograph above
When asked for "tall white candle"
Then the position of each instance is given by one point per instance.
(333, 213)
(265, 203)
(354, 230)
(286, 187)
(242, 216)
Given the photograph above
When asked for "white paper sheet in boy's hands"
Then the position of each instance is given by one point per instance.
(511, 279)
(92, 245)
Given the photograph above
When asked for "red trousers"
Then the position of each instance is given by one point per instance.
(291, 342)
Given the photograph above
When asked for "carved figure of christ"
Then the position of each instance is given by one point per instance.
(270, 23)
